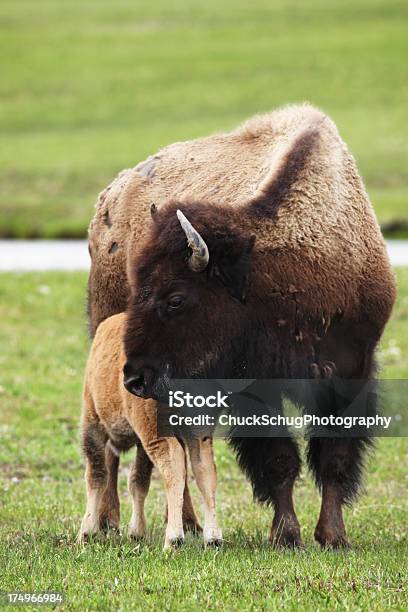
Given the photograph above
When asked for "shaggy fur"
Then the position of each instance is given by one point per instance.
(324, 217)
(298, 279)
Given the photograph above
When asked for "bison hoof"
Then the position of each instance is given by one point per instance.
(285, 532)
(288, 539)
(332, 540)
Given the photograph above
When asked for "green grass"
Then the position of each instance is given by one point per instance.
(89, 88)
(44, 347)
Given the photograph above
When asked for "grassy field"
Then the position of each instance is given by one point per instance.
(89, 88)
(43, 335)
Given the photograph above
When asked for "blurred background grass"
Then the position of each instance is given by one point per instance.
(91, 87)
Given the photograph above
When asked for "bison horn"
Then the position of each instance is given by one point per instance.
(200, 256)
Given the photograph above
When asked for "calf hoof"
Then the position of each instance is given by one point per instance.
(136, 537)
(89, 528)
(109, 525)
(82, 537)
(86, 536)
(213, 537)
(136, 534)
(331, 539)
(136, 528)
(214, 543)
(173, 543)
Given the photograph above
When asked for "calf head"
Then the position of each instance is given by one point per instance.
(187, 314)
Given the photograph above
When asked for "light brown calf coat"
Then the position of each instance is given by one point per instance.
(114, 420)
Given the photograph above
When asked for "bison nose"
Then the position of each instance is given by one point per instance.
(138, 381)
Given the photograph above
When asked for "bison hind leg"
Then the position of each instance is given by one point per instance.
(337, 463)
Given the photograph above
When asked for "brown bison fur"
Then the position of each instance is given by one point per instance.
(323, 215)
(298, 281)
(113, 420)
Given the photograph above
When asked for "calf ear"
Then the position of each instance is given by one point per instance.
(232, 266)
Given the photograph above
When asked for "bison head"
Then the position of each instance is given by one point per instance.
(187, 317)
(190, 315)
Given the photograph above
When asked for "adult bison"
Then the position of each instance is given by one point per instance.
(274, 267)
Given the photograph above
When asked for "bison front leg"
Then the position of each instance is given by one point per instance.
(202, 462)
(285, 466)
(330, 531)
(272, 465)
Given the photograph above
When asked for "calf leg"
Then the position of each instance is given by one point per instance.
(190, 520)
(202, 462)
(169, 457)
(109, 513)
(94, 439)
(139, 483)
(167, 454)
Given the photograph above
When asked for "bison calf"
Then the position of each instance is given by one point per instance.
(113, 420)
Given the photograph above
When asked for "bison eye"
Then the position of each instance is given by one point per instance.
(175, 302)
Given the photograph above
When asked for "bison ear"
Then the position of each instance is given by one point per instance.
(232, 268)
